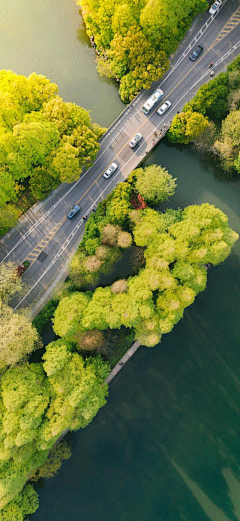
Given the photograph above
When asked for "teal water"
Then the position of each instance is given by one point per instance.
(166, 446)
(48, 37)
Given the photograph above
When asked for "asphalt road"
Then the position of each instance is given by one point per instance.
(48, 238)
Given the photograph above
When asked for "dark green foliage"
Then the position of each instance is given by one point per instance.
(217, 99)
(42, 319)
(59, 453)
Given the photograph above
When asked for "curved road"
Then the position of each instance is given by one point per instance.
(48, 238)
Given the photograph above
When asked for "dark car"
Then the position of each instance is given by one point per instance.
(73, 212)
(196, 53)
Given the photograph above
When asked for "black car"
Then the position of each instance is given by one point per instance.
(196, 53)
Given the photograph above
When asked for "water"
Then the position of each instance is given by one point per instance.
(166, 446)
(48, 37)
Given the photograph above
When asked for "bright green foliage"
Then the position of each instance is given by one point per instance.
(186, 126)
(42, 139)
(228, 146)
(18, 338)
(119, 206)
(177, 245)
(155, 184)
(135, 38)
(22, 505)
(69, 312)
(37, 408)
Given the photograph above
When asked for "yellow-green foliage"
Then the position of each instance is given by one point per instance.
(135, 38)
(177, 245)
(38, 403)
(43, 140)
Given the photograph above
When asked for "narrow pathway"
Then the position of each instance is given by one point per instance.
(117, 368)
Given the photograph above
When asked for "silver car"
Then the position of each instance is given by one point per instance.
(164, 107)
(111, 169)
(214, 8)
(135, 140)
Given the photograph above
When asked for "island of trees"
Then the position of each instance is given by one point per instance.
(44, 141)
(41, 401)
(211, 120)
(133, 40)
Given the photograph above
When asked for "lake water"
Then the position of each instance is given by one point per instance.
(166, 447)
(48, 37)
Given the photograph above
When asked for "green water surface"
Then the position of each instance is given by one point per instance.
(166, 446)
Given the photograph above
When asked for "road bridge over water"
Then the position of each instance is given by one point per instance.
(46, 237)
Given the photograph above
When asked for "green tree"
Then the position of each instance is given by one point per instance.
(8, 218)
(22, 505)
(186, 127)
(155, 184)
(50, 467)
(228, 146)
(10, 282)
(18, 338)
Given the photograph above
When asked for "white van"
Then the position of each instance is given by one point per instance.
(154, 98)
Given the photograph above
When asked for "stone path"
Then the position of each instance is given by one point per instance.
(117, 368)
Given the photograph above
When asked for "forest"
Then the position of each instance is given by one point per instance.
(41, 401)
(134, 40)
(44, 141)
(211, 120)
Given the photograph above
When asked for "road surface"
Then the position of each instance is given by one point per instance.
(48, 238)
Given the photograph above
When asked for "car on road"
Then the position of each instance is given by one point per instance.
(196, 53)
(111, 169)
(73, 211)
(214, 8)
(164, 107)
(135, 140)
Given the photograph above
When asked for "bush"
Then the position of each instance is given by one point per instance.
(47, 313)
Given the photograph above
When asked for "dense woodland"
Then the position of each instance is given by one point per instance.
(134, 39)
(44, 141)
(212, 118)
(64, 391)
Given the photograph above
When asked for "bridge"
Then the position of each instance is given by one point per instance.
(45, 236)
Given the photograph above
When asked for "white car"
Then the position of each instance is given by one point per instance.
(164, 107)
(111, 169)
(135, 140)
(214, 8)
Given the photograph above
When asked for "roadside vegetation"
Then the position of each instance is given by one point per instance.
(41, 402)
(133, 40)
(43, 142)
(211, 120)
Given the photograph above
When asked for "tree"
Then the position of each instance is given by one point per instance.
(10, 282)
(186, 127)
(8, 218)
(22, 505)
(69, 312)
(50, 467)
(211, 99)
(155, 184)
(18, 338)
(229, 144)
(41, 183)
(133, 40)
